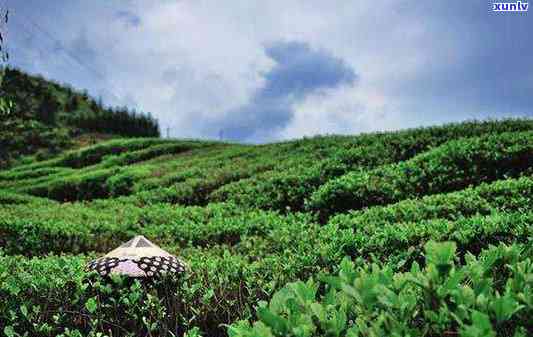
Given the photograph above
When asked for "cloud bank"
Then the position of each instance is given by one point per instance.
(267, 71)
(298, 73)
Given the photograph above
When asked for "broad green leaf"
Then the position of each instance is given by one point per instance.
(276, 323)
(91, 305)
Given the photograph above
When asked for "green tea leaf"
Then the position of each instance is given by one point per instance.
(91, 305)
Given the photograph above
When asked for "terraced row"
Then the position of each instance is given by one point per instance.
(275, 176)
(35, 228)
(289, 189)
(226, 282)
(449, 167)
(229, 210)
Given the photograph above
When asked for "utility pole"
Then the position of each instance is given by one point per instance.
(168, 132)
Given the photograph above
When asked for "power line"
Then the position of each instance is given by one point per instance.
(67, 52)
(30, 35)
(62, 47)
(42, 50)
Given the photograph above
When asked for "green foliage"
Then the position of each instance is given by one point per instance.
(33, 301)
(288, 188)
(11, 198)
(48, 102)
(86, 186)
(25, 137)
(120, 121)
(440, 299)
(449, 167)
(252, 220)
(77, 228)
(93, 172)
(513, 195)
(38, 114)
(94, 154)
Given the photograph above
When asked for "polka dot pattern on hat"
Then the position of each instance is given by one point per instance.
(137, 258)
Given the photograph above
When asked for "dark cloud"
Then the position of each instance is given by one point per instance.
(299, 71)
(128, 17)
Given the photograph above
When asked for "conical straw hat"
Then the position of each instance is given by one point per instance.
(137, 258)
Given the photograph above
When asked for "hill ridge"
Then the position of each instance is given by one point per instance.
(45, 116)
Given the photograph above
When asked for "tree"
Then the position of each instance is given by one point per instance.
(46, 113)
(73, 103)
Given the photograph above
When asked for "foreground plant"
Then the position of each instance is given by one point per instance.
(491, 295)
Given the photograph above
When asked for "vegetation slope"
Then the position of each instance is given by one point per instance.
(47, 117)
(422, 232)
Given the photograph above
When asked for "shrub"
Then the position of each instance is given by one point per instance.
(87, 186)
(450, 167)
(94, 154)
(40, 229)
(472, 191)
(400, 243)
(149, 153)
(122, 183)
(512, 195)
(440, 299)
(288, 187)
(12, 198)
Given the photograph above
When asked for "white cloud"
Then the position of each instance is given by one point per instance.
(349, 109)
(191, 63)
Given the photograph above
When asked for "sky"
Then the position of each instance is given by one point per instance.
(265, 71)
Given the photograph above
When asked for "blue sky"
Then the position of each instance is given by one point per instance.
(261, 71)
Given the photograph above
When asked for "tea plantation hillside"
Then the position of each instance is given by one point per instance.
(422, 232)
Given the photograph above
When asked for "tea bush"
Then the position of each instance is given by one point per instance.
(149, 153)
(86, 186)
(221, 289)
(288, 189)
(12, 198)
(122, 183)
(30, 174)
(374, 298)
(503, 195)
(94, 154)
(400, 243)
(77, 228)
(252, 220)
(65, 227)
(476, 299)
(452, 166)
